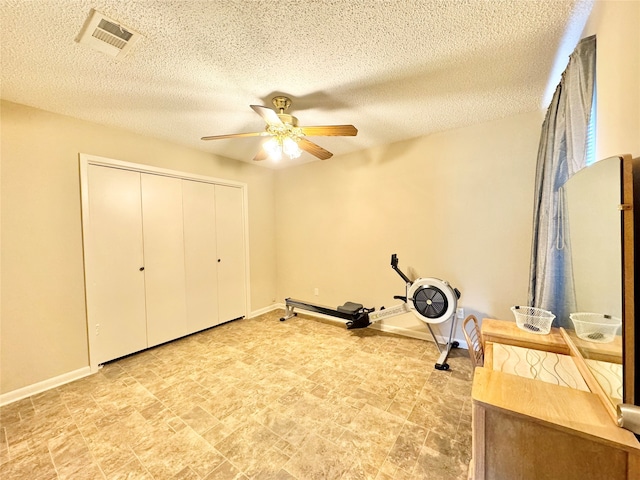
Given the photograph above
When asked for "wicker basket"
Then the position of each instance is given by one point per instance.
(533, 320)
(595, 327)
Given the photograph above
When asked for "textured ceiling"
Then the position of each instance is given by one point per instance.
(394, 69)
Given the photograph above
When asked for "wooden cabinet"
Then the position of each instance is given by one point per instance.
(501, 331)
(164, 257)
(526, 428)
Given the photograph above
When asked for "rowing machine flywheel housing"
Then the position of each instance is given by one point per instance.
(432, 300)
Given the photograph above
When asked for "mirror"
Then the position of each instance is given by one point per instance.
(593, 198)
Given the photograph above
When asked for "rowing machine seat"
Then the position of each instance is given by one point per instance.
(350, 307)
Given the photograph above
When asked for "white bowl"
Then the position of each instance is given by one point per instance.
(533, 320)
(595, 327)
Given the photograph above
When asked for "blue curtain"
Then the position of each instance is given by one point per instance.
(562, 152)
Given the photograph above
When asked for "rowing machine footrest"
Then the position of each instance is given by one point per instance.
(350, 307)
(360, 321)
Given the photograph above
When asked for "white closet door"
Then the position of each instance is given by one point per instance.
(231, 253)
(201, 269)
(164, 258)
(115, 283)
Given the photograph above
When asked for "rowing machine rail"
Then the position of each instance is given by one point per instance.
(356, 315)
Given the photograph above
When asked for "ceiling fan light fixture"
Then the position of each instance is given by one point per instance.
(280, 144)
(286, 136)
(291, 148)
(273, 149)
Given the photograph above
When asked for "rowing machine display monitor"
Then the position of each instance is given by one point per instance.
(432, 300)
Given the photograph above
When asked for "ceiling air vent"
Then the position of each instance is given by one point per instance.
(106, 35)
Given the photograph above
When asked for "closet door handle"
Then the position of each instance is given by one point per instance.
(141, 269)
(218, 260)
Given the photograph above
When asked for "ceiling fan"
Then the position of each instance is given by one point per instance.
(285, 134)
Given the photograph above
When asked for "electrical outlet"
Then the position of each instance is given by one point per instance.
(316, 291)
(97, 329)
(460, 313)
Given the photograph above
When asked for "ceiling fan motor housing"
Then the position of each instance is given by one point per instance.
(288, 119)
(281, 103)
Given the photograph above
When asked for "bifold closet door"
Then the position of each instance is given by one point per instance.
(201, 269)
(116, 285)
(231, 253)
(162, 226)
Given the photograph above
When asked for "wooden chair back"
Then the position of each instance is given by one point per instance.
(473, 336)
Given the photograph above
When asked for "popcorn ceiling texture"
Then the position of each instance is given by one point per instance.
(394, 69)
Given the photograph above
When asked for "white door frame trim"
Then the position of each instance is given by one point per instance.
(88, 159)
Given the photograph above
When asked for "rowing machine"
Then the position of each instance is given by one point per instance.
(350, 311)
(432, 300)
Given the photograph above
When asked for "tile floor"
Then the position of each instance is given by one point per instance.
(255, 398)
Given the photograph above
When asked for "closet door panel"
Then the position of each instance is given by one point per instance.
(115, 284)
(231, 252)
(198, 201)
(162, 224)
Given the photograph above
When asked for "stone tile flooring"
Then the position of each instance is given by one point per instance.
(255, 398)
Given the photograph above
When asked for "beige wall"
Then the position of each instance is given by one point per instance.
(616, 25)
(43, 323)
(456, 205)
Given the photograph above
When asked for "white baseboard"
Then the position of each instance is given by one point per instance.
(54, 382)
(44, 385)
(262, 311)
(408, 332)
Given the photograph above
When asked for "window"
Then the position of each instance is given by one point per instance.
(590, 151)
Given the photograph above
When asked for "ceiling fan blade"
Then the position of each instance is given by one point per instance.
(267, 114)
(330, 131)
(235, 135)
(313, 149)
(261, 155)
